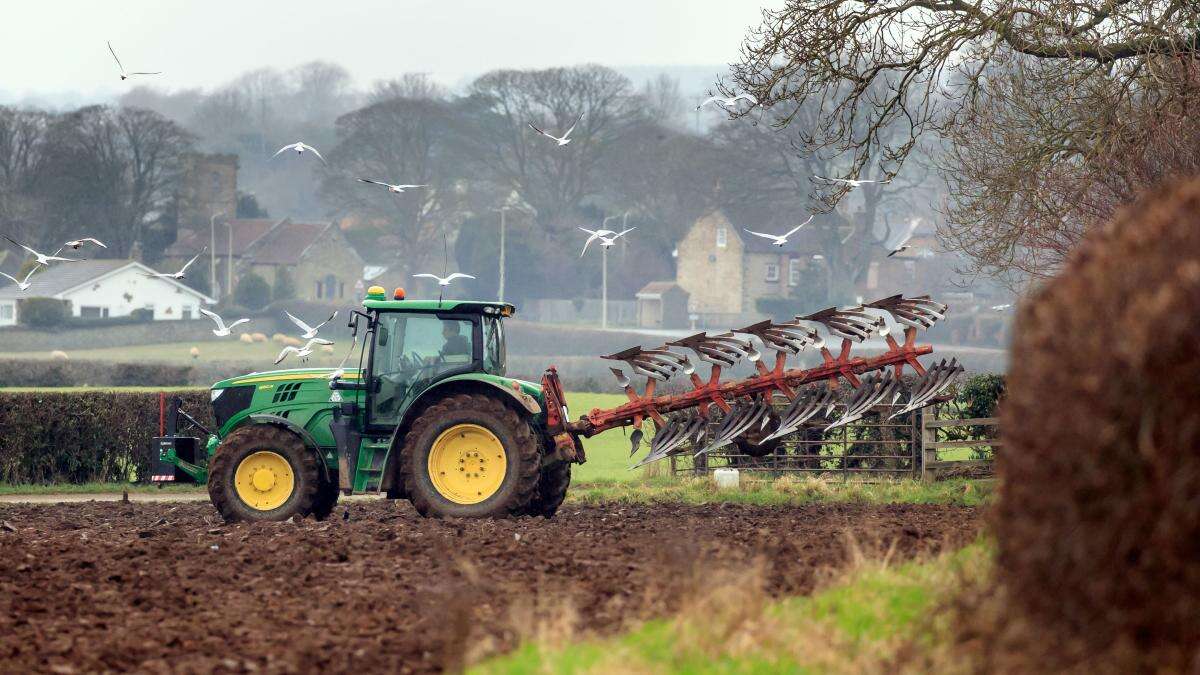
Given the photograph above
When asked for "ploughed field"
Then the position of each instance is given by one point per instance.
(169, 587)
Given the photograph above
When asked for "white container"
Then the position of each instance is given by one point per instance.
(726, 479)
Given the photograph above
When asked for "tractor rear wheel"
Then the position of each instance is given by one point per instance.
(551, 490)
(470, 456)
(263, 472)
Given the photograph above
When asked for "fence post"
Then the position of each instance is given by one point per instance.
(928, 438)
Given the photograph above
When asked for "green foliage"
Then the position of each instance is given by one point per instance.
(198, 277)
(41, 373)
(253, 291)
(285, 286)
(978, 397)
(44, 312)
(248, 206)
(82, 437)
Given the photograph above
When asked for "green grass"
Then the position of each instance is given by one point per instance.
(786, 491)
(853, 625)
(607, 453)
(179, 353)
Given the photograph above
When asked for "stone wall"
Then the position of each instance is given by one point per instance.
(330, 258)
(712, 274)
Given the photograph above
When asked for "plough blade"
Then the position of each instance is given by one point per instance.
(669, 438)
(935, 380)
(806, 406)
(920, 312)
(852, 324)
(659, 364)
(741, 418)
(722, 350)
(870, 393)
(783, 337)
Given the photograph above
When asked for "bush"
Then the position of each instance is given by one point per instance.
(44, 312)
(1098, 524)
(83, 437)
(18, 373)
(253, 291)
(285, 286)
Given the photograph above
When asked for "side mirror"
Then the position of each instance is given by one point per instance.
(353, 325)
(382, 339)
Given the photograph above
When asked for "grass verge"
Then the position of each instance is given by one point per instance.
(860, 622)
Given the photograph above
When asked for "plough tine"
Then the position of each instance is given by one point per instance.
(805, 407)
(852, 324)
(739, 420)
(935, 380)
(723, 350)
(659, 364)
(874, 388)
(667, 439)
(791, 338)
(920, 312)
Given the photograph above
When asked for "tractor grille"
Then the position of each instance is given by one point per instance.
(286, 392)
(230, 403)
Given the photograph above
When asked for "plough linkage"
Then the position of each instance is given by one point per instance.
(746, 406)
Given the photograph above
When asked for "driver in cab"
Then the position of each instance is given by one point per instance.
(456, 344)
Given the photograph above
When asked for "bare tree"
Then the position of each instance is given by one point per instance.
(553, 179)
(662, 101)
(22, 150)
(320, 91)
(408, 85)
(878, 66)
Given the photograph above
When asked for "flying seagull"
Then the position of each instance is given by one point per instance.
(78, 243)
(391, 188)
(299, 147)
(309, 331)
(606, 237)
(565, 137)
(902, 244)
(125, 75)
(42, 258)
(853, 182)
(995, 308)
(221, 330)
(780, 240)
(23, 285)
(444, 281)
(730, 101)
(176, 275)
(302, 352)
(340, 371)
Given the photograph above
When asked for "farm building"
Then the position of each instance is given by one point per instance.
(662, 304)
(105, 288)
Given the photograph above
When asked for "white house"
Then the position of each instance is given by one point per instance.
(105, 288)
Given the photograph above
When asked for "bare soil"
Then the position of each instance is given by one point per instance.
(170, 588)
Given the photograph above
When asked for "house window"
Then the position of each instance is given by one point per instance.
(87, 312)
(794, 272)
(330, 286)
(6, 312)
(722, 237)
(772, 272)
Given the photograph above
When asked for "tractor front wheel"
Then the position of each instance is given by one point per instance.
(470, 456)
(263, 472)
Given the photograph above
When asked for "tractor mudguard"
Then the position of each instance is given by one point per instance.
(309, 441)
(525, 401)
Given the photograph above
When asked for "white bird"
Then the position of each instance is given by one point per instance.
(302, 352)
(299, 147)
(78, 243)
(444, 281)
(176, 275)
(853, 182)
(125, 75)
(780, 240)
(391, 188)
(606, 237)
(309, 331)
(221, 330)
(341, 369)
(42, 258)
(730, 101)
(902, 243)
(23, 285)
(1001, 308)
(565, 137)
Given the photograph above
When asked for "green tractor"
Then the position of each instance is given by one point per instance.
(430, 416)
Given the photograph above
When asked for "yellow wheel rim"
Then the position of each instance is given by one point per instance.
(467, 464)
(264, 480)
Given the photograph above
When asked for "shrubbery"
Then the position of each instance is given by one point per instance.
(37, 373)
(253, 291)
(83, 437)
(44, 312)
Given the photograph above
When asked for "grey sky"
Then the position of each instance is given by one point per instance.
(52, 46)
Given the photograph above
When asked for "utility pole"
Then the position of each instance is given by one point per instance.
(212, 254)
(502, 223)
(604, 287)
(229, 260)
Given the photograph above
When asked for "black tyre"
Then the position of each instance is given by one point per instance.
(551, 490)
(470, 456)
(263, 472)
(327, 498)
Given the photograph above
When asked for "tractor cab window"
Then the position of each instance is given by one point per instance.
(411, 352)
(493, 345)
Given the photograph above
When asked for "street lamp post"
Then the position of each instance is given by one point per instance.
(503, 211)
(604, 279)
(229, 260)
(514, 202)
(212, 258)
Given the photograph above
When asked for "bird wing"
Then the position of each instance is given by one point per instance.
(763, 235)
(625, 231)
(286, 147)
(314, 151)
(708, 100)
(405, 187)
(427, 276)
(238, 322)
(28, 274)
(55, 257)
(459, 275)
(21, 245)
(540, 131)
(317, 341)
(194, 258)
(299, 324)
(114, 53)
(372, 182)
(214, 317)
(14, 279)
(94, 241)
(577, 119)
(157, 72)
(748, 97)
(331, 316)
(286, 350)
(796, 229)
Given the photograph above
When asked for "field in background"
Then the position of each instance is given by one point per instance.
(179, 353)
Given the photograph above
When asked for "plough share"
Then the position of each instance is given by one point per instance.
(746, 406)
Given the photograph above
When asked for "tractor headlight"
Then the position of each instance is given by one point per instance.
(215, 394)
